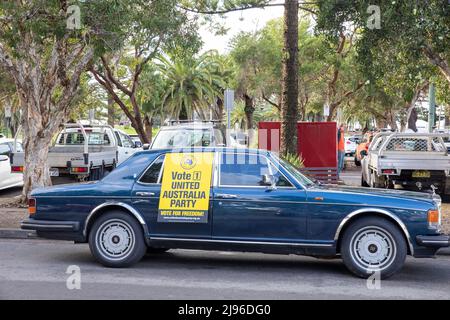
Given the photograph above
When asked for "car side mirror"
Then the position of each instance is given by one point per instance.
(269, 181)
(363, 153)
(146, 146)
(137, 144)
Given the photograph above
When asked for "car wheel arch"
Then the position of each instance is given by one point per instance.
(372, 212)
(110, 206)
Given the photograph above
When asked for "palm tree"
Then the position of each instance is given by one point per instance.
(191, 84)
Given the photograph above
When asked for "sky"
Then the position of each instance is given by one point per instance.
(247, 20)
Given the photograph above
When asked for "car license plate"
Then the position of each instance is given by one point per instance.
(54, 172)
(421, 174)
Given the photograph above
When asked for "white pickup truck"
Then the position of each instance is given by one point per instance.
(412, 160)
(84, 152)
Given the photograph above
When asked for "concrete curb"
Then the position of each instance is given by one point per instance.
(17, 234)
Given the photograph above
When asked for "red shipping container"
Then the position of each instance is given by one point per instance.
(316, 142)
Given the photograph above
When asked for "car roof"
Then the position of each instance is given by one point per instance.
(190, 126)
(208, 149)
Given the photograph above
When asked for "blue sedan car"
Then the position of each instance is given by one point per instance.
(236, 200)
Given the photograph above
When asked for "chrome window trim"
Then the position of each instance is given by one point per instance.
(244, 242)
(274, 158)
(129, 208)
(162, 169)
(269, 164)
(138, 180)
(377, 210)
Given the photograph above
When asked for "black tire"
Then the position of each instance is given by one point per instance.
(152, 250)
(128, 233)
(385, 243)
(357, 162)
(363, 182)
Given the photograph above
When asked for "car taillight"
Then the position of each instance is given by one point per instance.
(348, 142)
(79, 169)
(367, 147)
(31, 206)
(17, 169)
(389, 171)
(434, 219)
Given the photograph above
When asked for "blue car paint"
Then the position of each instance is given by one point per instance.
(306, 215)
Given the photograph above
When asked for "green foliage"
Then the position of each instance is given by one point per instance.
(191, 84)
(294, 159)
(407, 28)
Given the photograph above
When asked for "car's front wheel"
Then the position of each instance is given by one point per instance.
(371, 245)
(117, 240)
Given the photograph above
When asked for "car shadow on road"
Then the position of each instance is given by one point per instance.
(234, 261)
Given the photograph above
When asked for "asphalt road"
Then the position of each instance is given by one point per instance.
(36, 269)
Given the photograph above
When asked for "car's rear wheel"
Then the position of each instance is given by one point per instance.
(357, 162)
(372, 245)
(117, 240)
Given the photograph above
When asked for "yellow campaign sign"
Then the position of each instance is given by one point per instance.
(185, 187)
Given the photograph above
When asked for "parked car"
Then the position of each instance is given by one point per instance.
(239, 139)
(84, 152)
(137, 141)
(412, 160)
(363, 146)
(446, 138)
(256, 202)
(7, 178)
(351, 143)
(186, 134)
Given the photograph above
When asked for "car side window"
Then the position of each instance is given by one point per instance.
(119, 141)
(280, 179)
(153, 174)
(243, 170)
(126, 141)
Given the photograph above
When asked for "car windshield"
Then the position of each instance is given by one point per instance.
(181, 138)
(77, 138)
(297, 174)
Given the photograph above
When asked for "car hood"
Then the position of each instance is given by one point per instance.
(429, 197)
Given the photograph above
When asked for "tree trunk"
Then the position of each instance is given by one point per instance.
(249, 109)
(111, 113)
(438, 61)
(183, 115)
(412, 119)
(289, 113)
(392, 121)
(220, 109)
(411, 113)
(148, 124)
(36, 173)
(138, 126)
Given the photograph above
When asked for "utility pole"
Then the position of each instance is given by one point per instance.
(431, 107)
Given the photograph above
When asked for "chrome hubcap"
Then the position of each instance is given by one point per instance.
(115, 239)
(373, 248)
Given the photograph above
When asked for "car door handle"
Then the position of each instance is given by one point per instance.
(143, 194)
(225, 196)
